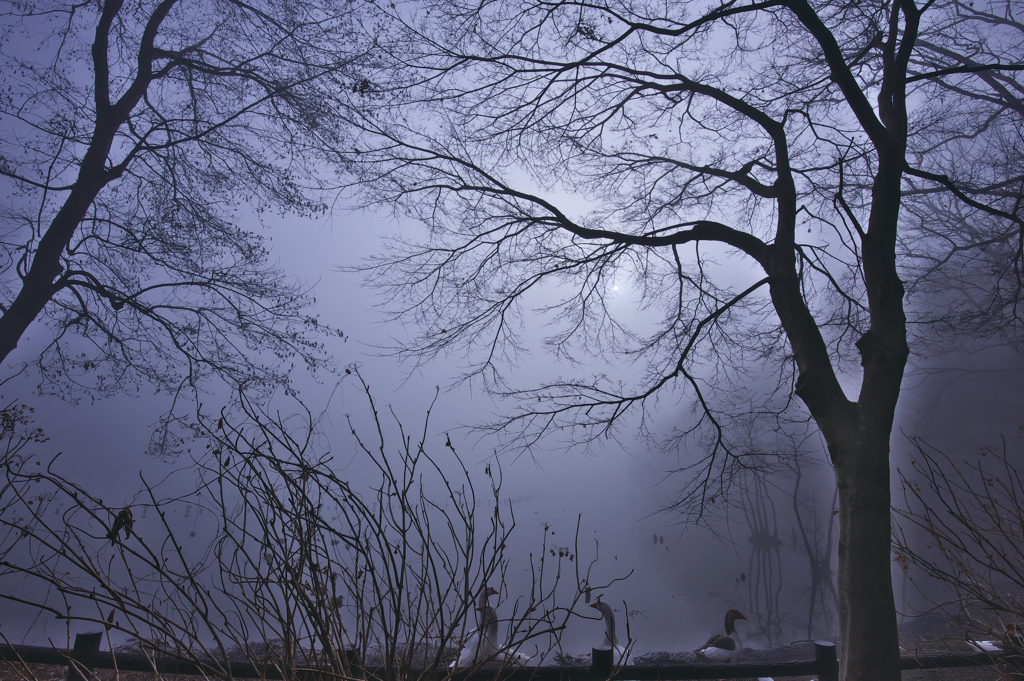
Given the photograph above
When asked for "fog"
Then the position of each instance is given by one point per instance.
(679, 579)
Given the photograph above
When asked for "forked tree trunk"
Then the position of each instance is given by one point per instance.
(40, 284)
(858, 434)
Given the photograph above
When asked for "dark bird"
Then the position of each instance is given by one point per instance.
(122, 520)
(725, 648)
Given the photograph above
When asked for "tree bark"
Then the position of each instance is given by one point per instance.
(867, 615)
(39, 284)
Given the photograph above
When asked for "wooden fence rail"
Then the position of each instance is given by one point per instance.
(86, 656)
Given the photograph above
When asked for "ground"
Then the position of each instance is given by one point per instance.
(928, 634)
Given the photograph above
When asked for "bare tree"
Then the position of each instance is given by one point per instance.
(137, 138)
(740, 170)
(304, 566)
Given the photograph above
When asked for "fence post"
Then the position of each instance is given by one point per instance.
(601, 663)
(351, 665)
(83, 655)
(826, 661)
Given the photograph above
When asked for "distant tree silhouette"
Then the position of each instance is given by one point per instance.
(764, 575)
(814, 537)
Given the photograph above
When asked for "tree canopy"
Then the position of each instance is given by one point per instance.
(140, 143)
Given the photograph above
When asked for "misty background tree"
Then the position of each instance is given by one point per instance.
(789, 193)
(137, 140)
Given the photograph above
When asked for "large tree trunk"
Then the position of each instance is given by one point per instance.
(858, 437)
(867, 612)
(858, 432)
(39, 284)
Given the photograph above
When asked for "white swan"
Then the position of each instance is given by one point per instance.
(482, 645)
(482, 601)
(725, 648)
(504, 651)
(1012, 638)
(985, 646)
(611, 640)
